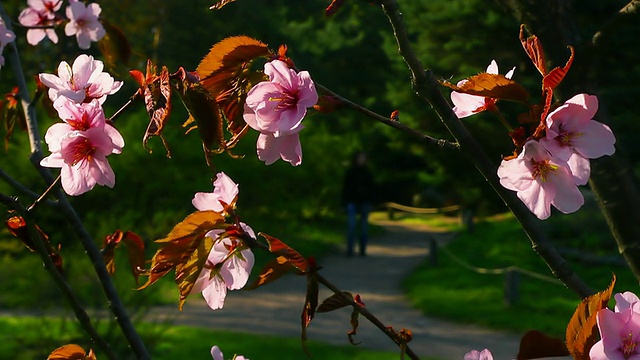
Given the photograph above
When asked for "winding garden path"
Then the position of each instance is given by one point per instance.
(275, 309)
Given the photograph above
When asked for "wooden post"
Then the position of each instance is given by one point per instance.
(511, 287)
(433, 251)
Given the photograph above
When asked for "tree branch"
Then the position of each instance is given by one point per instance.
(23, 189)
(440, 143)
(426, 85)
(67, 291)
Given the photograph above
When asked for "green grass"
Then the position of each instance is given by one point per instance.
(26, 338)
(452, 292)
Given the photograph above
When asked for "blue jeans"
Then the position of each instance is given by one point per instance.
(353, 210)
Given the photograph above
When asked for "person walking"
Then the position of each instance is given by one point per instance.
(357, 193)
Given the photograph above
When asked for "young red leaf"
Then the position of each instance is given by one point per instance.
(219, 4)
(71, 352)
(178, 246)
(333, 7)
(114, 45)
(354, 326)
(495, 86)
(555, 76)
(335, 301)
(135, 248)
(582, 330)
(12, 116)
(533, 48)
(279, 248)
(17, 226)
(273, 270)
(156, 91)
(535, 345)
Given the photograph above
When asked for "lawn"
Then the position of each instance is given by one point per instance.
(27, 338)
(453, 292)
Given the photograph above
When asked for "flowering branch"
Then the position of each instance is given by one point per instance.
(115, 303)
(441, 143)
(426, 85)
(67, 291)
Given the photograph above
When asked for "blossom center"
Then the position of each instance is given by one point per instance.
(81, 150)
(567, 138)
(287, 100)
(628, 345)
(82, 124)
(542, 170)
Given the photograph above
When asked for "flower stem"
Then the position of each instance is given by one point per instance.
(45, 193)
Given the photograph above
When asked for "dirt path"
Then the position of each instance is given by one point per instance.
(275, 309)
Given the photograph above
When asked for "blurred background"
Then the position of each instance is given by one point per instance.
(354, 54)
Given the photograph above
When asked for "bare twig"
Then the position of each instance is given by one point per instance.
(426, 85)
(45, 193)
(67, 291)
(123, 108)
(20, 187)
(440, 143)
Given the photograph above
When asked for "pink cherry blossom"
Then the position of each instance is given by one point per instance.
(40, 13)
(466, 104)
(285, 147)
(228, 267)
(81, 82)
(276, 108)
(540, 180)
(573, 135)
(620, 336)
(80, 145)
(6, 36)
(84, 24)
(627, 300)
(478, 355)
(217, 354)
(224, 190)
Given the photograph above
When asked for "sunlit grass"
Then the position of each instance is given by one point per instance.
(453, 292)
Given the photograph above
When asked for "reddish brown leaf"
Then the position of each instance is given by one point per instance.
(156, 91)
(70, 352)
(114, 45)
(535, 344)
(12, 115)
(310, 303)
(273, 270)
(533, 48)
(354, 326)
(582, 331)
(230, 54)
(135, 248)
(555, 76)
(187, 271)
(279, 248)
(335, 301)
(219, 4)
(495, 86)
(178, 247)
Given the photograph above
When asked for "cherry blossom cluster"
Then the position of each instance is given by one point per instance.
(217, 354)
(276, 108)
(549, 169)
(81, 21)
(619, 330)
(230, 261)
(80, 144)
(6, 36)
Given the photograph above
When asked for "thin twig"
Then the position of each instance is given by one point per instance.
(45, 193)
(426, 85)
(67, 290)
(123, 108)
(441, 143)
